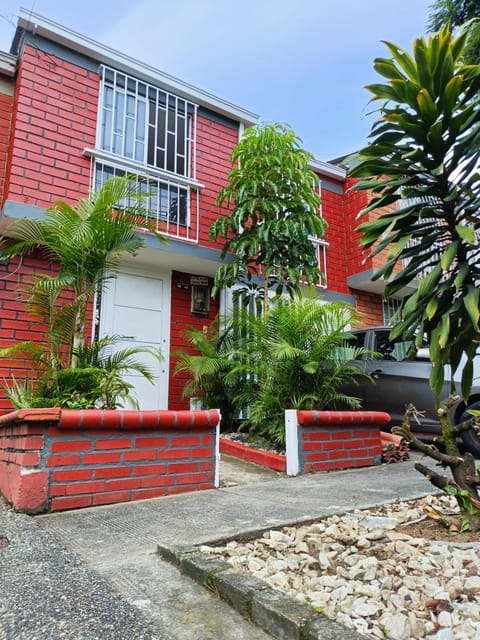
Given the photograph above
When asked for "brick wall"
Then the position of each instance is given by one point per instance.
(182, 319)
(55, 108)
(353, 202)
(337, 265)
(369, 305)
(215, 143)
(17, 324)
(328, 440)
(52, 460)
(6, 114)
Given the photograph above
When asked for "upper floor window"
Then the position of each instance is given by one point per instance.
(321, 253)
(146, 124)
(390, 306)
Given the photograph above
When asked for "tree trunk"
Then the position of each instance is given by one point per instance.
(464, 483)
(78, 341)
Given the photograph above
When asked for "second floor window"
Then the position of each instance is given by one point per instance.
(143, 123)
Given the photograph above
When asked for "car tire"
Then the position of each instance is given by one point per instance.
(470, 439)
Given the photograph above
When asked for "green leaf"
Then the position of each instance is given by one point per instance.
(451, 94)
(427, 107)
(471, 303)
(387, 68)
(429, 283)
(444, 331)
(467, 234)
(467, 379)
(431, 308)
(404, 60)
(437, 378)
(448, 256)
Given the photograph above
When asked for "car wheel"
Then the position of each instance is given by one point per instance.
(470, 439)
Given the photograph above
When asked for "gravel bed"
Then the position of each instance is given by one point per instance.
(47, 593)
(363, 571)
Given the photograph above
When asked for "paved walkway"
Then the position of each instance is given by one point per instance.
(94, 573)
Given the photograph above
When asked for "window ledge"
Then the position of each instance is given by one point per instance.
(140, 168)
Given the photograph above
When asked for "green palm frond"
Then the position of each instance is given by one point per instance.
(295, 356)
(87, 242)
(104, 354)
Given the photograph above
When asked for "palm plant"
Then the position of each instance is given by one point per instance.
(97, 380)
(87, 241)
(296, 356)
(424, 158)
(210, 366)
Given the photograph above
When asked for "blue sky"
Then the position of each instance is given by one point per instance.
(301, 62)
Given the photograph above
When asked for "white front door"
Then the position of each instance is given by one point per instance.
(137, 304)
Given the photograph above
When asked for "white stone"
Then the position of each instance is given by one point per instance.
(442, 634)
(255, 565)
(379, 521)
(365, 609)
(372, 578)
(473, 583)
(444, 619)
(396, 626)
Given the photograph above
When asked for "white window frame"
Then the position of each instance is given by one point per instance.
(132, 156)
(143, 123)
(321, 251)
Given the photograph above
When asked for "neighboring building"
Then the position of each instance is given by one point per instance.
(73, 113)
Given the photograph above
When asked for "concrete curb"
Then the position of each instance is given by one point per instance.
(273, 611)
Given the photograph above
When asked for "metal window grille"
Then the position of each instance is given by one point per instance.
(434, 222)
(390, 306)
(167, 202)
(146, 124)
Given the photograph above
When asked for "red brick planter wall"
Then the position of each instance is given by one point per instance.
(52, 459)
(250, 454)
(327, 440)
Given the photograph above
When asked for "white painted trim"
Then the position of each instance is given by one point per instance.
(291, 439)
(241, 130)
(105, 318)
(141, 168)
(327, 169)
(217, 452)
(51, 30)
(8, 64)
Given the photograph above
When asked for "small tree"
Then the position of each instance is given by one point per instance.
(275, 214)
(424, 155)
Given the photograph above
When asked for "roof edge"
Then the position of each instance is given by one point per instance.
(8, 64)
(51, 30)
(327, 169)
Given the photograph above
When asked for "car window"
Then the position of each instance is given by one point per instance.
(356, 340)
(397, 350)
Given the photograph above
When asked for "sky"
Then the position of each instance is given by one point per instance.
(304, 63)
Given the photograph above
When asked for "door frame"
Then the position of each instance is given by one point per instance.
(106, 319)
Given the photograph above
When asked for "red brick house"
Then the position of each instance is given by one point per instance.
(73, 113)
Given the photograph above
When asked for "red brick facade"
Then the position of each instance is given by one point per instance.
(51, 119)
(55, 117)
(6, 114)
(329, 440)
(52, 460)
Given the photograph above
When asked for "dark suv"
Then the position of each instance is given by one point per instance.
(400, 380)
